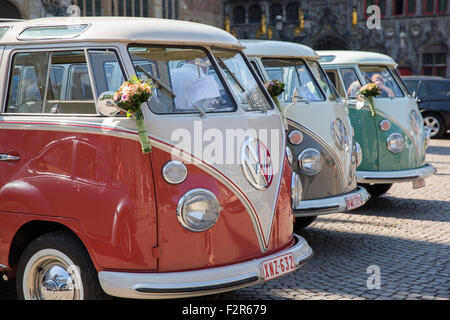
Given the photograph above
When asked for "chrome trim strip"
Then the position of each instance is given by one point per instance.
(329, 205)
(109, 128)
(198, 282)
(395, 176)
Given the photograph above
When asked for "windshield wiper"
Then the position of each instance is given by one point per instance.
(159, 84)
(232, 74)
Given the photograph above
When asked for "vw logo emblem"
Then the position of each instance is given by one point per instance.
(256, 163)
(339, 133)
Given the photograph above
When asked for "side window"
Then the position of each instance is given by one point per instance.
(108, 74)
(336, 81)
(50, 82)
(184, 80)
(436, 89)
(351, 82)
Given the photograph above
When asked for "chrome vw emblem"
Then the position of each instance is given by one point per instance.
(339, 134)
(256, 163)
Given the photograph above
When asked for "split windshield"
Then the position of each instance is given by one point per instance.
(243, 84)
(384, 79)
(298, 79)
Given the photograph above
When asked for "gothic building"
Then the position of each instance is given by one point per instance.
(414, 32)
(205, 11)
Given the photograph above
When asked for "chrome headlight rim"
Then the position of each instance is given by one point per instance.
(169, 177)
(302, 157)
(390, 143)
(415, 121)
(289, 155)
(358, 152)
(292, 134)
(296, 190)
(181, 214)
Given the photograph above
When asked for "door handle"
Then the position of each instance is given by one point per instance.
(8, 157)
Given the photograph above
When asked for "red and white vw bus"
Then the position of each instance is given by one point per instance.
(84, 212)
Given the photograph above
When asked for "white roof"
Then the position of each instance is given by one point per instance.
(127, 29)
(278, 49)
(355, 57)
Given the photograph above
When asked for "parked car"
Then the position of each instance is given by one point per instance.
(319, 133)
(85, 212)
(393, 139)
(433, 97)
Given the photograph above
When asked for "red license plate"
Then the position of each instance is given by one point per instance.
(354, 201)
(278, 266)
(418, 183)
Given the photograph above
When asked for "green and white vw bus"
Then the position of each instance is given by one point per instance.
(320, 143)
(393, 139)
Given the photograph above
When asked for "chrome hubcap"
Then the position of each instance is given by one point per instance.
(50, 276)
(432, 124)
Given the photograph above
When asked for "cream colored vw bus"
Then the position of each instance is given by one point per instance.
(320, 138)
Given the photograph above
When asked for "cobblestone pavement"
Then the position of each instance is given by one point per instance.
(405, 233)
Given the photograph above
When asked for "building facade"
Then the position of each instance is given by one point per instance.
(209, 11)
(415, 33)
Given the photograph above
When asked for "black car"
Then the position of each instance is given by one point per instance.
(433, 97)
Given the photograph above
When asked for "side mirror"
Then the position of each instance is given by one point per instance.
(106, 105)
(332, 97)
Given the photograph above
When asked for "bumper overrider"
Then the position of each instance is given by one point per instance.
(331, 204)
(395, 176)
(198, 282)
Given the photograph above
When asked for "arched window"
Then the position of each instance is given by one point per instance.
(275, 10)
(254, 14)
(238, 15)
(292, 12)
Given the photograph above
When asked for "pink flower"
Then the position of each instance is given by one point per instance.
(124, 98)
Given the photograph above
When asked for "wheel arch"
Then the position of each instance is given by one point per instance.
(29, 232)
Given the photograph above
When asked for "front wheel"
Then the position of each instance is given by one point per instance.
(434, 123)
(377, 190)
(56, 266)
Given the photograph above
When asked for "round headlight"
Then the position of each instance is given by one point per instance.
(296, 191)
(174, 172)
(295, 137)
(395, 143)
(358, 151)
(310, 161)
(289, 154)
(198, 210)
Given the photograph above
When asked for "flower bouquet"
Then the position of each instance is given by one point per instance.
(129, 97)
(369, 91)
(275, 88)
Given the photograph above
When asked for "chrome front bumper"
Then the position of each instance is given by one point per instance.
(395, 176)
(329, 205)
(198, 282)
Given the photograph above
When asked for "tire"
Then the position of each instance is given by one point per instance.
(56, 266)
(435, 123)
(377, 190)
(303, 222)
